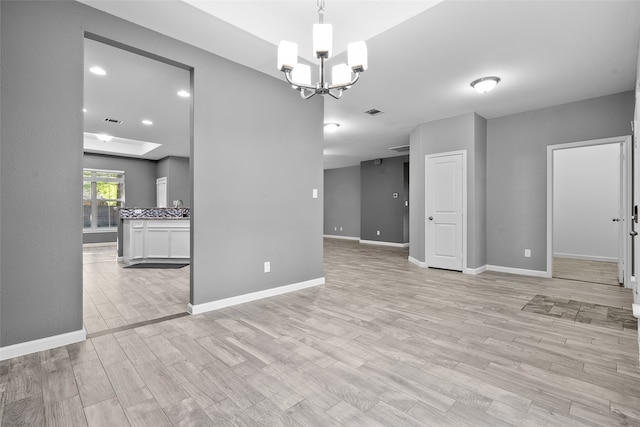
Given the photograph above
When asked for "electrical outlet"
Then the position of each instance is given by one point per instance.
(378, 232)
(335, 228)
(340, 228)
(527, 253)
(267, 266)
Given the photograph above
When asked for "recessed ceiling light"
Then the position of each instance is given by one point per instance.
(99, 71)
(147, 122)
(104, 137)
(184, 94)
(331, 127)
(485, 84)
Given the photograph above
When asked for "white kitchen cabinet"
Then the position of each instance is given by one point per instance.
(150, 240)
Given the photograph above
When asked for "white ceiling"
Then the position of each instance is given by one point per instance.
(422, 55)
(135, 88)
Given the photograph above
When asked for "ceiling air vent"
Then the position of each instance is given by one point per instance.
(400, 148)
(114, 121)
(373, 112)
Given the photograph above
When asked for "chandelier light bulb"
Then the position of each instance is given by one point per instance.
(287, 55)
(322, 40)
(302, 74)
(357, 56)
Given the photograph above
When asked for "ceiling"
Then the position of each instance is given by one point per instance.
(422, 57)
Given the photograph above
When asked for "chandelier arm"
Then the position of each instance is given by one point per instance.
(304, 95)
(338, 96)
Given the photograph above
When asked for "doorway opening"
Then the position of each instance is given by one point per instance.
(588, 215)
(135, 123)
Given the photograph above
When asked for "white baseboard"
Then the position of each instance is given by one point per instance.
(519, 271)
(475, 271)
(42, 344)
(240, 299)
(376, 242)
(333, 236)
(99, 244)
(586, 257)
(417, 262)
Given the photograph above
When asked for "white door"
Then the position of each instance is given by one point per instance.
(161, 192)
(445, 211)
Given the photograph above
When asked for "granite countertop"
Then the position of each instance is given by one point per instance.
(155, 213)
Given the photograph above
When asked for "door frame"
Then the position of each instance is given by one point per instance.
(464, 204)
(625, 198)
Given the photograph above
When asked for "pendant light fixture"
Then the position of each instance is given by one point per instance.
(299, 75)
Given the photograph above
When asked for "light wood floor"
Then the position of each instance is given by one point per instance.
(602, 272)
(383, 343)
(115, 296)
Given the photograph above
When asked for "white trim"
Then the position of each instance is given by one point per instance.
(626, 185)
(99, 244)
(476, 271)
(586, 257)
(106, 230)
(417, 262)
(253, 296)
(465, 195)
(379, 243)
(518, 271)
(333, 236)
(636, 310)
(42, 344)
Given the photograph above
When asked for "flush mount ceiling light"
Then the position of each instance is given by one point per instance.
(99, 71)
(184, 93)
(147, 122)
(485, 84)
(299, 75)
(104, 137)
(331, 127)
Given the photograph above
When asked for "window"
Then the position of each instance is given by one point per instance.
(102, 195)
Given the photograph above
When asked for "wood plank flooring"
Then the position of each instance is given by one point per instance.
(115, 296)
(383, 343)
(603, 272)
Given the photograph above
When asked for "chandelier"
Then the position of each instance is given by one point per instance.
(299, 75)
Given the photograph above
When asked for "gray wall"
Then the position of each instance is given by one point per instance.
(342, 201)
(176, 169)
(378, 209)
(245, 211)
(517, 168)
(139, 185)
(464, 132)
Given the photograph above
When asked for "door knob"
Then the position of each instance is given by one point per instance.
(430, 218)
(616, 220)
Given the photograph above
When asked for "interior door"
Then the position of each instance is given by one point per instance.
(444, 211)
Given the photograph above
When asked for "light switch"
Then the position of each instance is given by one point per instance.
(315, 193)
